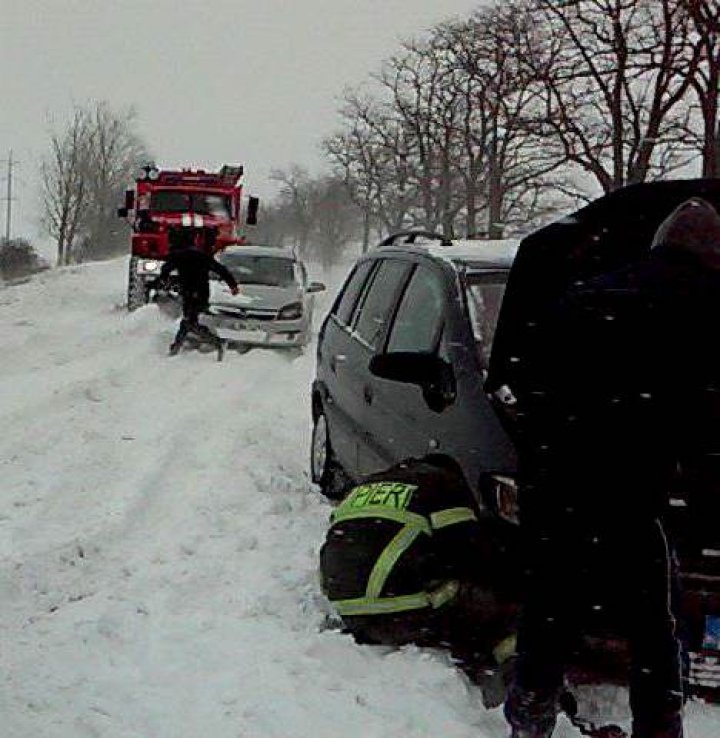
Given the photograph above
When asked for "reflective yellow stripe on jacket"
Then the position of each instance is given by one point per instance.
(362, 505)
(451, 516)
(385, 605)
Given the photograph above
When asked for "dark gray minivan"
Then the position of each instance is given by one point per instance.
(401, 360)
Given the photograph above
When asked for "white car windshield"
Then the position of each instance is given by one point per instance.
(275, 271)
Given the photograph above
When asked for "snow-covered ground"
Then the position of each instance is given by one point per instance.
(158, 543)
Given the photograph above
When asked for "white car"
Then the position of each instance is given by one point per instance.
(275, 304)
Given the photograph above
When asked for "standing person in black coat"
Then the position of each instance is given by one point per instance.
(409, 558)
(615, 400)
(190, 257)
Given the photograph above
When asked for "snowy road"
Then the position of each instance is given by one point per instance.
(158, 539)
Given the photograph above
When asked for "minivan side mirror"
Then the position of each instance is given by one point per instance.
(407, 366)
(316, 287)
(434, 375)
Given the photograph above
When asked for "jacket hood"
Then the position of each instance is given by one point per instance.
(692, 228)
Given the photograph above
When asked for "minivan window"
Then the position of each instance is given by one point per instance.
(378, 300)
(346, 305)
(484, 297)
(420, 315)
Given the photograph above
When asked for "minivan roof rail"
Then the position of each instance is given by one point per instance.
(411, 235)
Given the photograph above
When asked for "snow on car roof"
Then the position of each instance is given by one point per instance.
(475, 250)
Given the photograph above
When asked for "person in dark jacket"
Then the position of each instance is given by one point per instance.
(190, 257)
(409, 558)
(615, 401)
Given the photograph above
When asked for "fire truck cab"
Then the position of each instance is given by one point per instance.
(167, 199)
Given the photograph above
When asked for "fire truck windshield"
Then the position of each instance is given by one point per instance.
(200, 203)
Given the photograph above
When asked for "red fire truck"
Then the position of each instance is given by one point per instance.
(165, 199)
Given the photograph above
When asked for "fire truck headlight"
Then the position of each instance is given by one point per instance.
(153, 174)
(142, 173)
(151, 266)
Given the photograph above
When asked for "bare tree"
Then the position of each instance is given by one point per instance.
(83, 176)
(64, 188)
(115, 153)
(509, 172)
(372, 157)
(705, 16)
(419, 86)
(314, 216)
(296, 200)
(616, 73)
(444, 140)
(335, 221)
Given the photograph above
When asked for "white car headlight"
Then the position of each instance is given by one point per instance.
(293, 311)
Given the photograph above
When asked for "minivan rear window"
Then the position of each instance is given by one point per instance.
(484, 292)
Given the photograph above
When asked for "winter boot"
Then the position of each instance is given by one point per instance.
(174, 348)
(495, 682)
(531, 713)
(568, 705)
(220, 350)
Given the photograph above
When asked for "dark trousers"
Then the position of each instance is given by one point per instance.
(591, 577)
(194, 303)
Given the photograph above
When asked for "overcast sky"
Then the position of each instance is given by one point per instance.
(213, 81)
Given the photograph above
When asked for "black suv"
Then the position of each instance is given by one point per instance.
(404, 367)
(401, 360)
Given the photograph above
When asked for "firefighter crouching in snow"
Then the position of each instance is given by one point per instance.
(409, 559)
(190, 250)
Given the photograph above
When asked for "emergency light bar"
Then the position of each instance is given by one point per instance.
(149, 171)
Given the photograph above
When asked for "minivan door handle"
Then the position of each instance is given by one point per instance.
(337, 359)
(368, 394)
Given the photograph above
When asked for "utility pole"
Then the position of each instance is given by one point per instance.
(8, 219)
(9, 197)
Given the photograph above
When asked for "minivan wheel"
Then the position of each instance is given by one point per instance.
(324, 470)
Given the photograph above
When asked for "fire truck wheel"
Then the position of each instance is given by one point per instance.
(137, 293)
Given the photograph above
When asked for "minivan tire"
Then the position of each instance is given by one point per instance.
(324, 469)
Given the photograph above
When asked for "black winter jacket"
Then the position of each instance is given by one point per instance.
(621, 385)
(193, 267)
